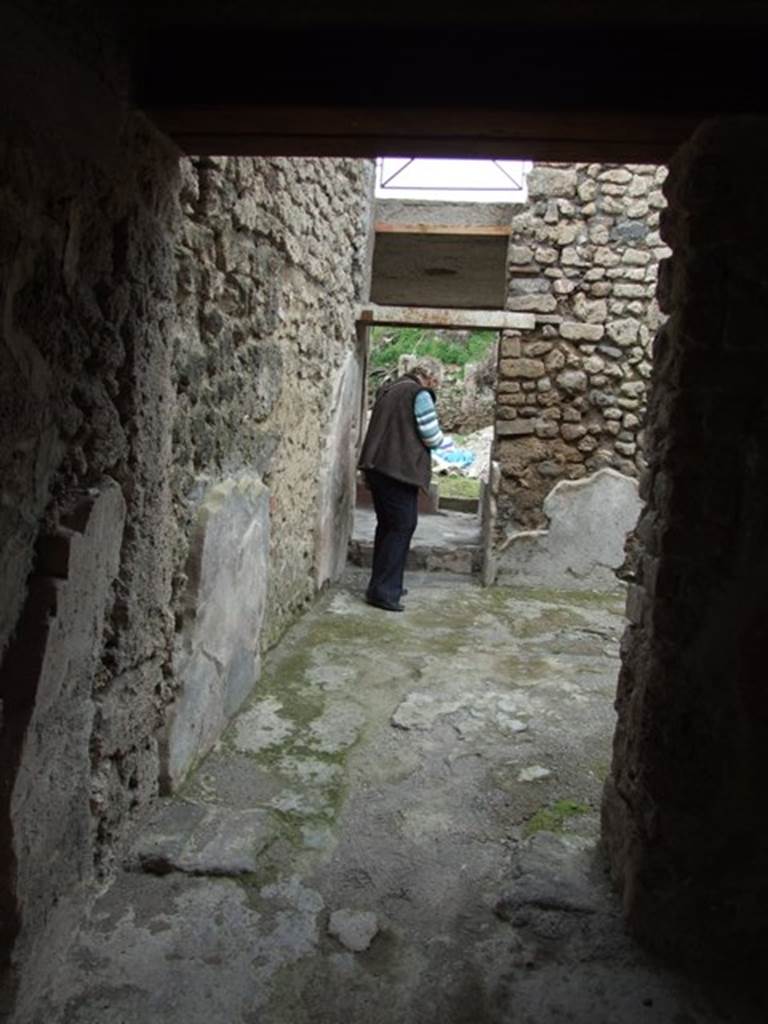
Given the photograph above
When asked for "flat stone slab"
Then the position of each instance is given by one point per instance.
(445, 542)
(201, 840)
(468, 713)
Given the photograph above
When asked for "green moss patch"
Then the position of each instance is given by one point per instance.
(553, 817)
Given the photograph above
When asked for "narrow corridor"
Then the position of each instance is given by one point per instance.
(400, 826)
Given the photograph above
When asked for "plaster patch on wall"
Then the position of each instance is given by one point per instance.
(218, 658)
(584, 545)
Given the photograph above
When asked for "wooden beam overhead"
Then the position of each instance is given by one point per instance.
(569, 91)
(244, 129)
(460, 319)
(492, 230)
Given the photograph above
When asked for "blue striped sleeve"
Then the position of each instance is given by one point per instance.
(426, 420)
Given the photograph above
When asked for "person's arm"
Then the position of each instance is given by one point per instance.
(426, 420)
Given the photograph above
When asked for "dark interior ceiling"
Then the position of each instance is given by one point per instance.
(625, 86)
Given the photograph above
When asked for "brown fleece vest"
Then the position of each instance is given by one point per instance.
(392, 443)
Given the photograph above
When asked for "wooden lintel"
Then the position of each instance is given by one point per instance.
(460, 319)
(443, 229)
(256, 130)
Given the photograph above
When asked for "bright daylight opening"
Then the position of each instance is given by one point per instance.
(452, 181)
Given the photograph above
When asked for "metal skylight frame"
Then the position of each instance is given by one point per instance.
(387, 184)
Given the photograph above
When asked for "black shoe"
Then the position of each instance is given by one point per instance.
(403, 592)
(388, 606)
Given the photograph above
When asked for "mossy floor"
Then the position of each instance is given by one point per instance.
(438, 772)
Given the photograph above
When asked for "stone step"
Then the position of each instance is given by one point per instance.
(446, 542)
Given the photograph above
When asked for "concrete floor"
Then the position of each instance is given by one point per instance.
(398, 828)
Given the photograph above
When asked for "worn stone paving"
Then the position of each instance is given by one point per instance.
(400, 826)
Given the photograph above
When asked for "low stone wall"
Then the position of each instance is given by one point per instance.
(583, 257)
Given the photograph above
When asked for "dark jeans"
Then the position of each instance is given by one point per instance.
(396, 516)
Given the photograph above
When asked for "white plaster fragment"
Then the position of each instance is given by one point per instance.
(532, 773)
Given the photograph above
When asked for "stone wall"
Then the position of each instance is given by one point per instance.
(173, 334)
(87, 286)
(272, 261)
(583, 257)
(683, 814)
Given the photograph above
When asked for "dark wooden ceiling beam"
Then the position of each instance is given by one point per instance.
(568, 92)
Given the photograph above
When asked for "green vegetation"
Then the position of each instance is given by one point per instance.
(552, 818)
(389, 343)
(458, 487)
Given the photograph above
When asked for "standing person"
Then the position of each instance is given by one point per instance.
(395, 459)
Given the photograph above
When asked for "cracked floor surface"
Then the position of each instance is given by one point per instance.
(399, 826)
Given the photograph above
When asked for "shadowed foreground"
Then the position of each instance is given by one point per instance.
(399, 826)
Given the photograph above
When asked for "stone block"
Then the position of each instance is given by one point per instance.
(572, 381)
(528, 286)
(547, 182)
(46, 688)
(636, 257)
(531, 303)
(526, 368)
(547, 429)
(515, 428)
(624, 332)
(511, 348)
(616, 176)
(594, 311)
(199, 840)
(589, 520)
(519, 254)
(573, 330)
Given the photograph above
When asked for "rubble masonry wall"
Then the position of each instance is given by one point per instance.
(583, 258)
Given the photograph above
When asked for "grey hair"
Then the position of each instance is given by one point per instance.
(426, 366)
